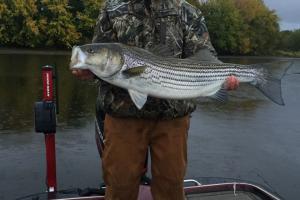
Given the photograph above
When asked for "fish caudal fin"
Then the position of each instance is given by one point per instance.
(272, 90)
(271, 87)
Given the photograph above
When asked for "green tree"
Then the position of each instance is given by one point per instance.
(5, 22)
(19, 21)
(290, 40)
(224, 24)
(85, 13)
(284, 43)
(260, 32)
(295, 37)
(56, 23)
(241, 26)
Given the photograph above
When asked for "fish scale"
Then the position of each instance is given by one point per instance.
(195, 71)
(167, 77)
(178, 74)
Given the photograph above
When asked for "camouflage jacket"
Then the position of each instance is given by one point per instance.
(173, 23)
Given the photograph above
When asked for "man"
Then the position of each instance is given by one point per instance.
(161, 125)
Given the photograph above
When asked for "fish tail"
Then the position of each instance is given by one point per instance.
(271, 86)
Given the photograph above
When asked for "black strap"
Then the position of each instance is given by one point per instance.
(163, 32)
(147, 4)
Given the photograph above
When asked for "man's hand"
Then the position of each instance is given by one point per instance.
(83, 74)
(232, 83)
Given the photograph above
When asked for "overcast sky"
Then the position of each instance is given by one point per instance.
(288, 11)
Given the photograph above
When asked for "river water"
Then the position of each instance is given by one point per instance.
(248, 138)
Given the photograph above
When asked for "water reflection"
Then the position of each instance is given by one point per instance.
(21, 86)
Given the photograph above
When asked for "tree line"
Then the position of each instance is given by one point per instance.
(47, 23)
(237, 27)
(290, 40)
(246, 27)
(241, 26)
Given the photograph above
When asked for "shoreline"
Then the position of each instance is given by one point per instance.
(24, 51)
(28, 51)
(279, 57)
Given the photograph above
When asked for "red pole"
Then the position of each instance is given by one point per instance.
(47, 74)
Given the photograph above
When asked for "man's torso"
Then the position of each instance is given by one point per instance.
(146, 26)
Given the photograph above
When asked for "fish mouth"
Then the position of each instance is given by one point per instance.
(78, 59)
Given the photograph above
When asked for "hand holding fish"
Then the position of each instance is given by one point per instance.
(231, 83)
(83, 74)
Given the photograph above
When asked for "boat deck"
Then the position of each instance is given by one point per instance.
(224, 196)
(221, 191)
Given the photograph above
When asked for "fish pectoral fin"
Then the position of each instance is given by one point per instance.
(138, 98)
(221, 95)
(134, 71)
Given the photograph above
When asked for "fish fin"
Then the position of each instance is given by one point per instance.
(221, 95)
(138, 98)
(276, 69)
(134, 71)
(205, 55)
(271, 87)
(272, 90)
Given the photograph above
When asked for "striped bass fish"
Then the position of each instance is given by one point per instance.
(144, 74)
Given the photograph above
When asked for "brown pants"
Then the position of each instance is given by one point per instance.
(126, 144)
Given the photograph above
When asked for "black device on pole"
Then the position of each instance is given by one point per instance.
(45, 117)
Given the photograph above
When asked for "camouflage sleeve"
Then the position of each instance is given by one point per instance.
(196, 36)
(103, 31)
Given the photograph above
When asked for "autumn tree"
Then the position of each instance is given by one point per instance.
(19, 22)
(85, 13)
(5, 22)
(260, 27)
(224, 24)
(57, 25)
(241, 26)
(235, 26)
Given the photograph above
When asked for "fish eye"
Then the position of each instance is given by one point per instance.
(91, 51)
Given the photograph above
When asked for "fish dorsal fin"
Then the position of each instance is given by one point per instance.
(138, 98)
(221, 95)
(134, 71)
(204, 55)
